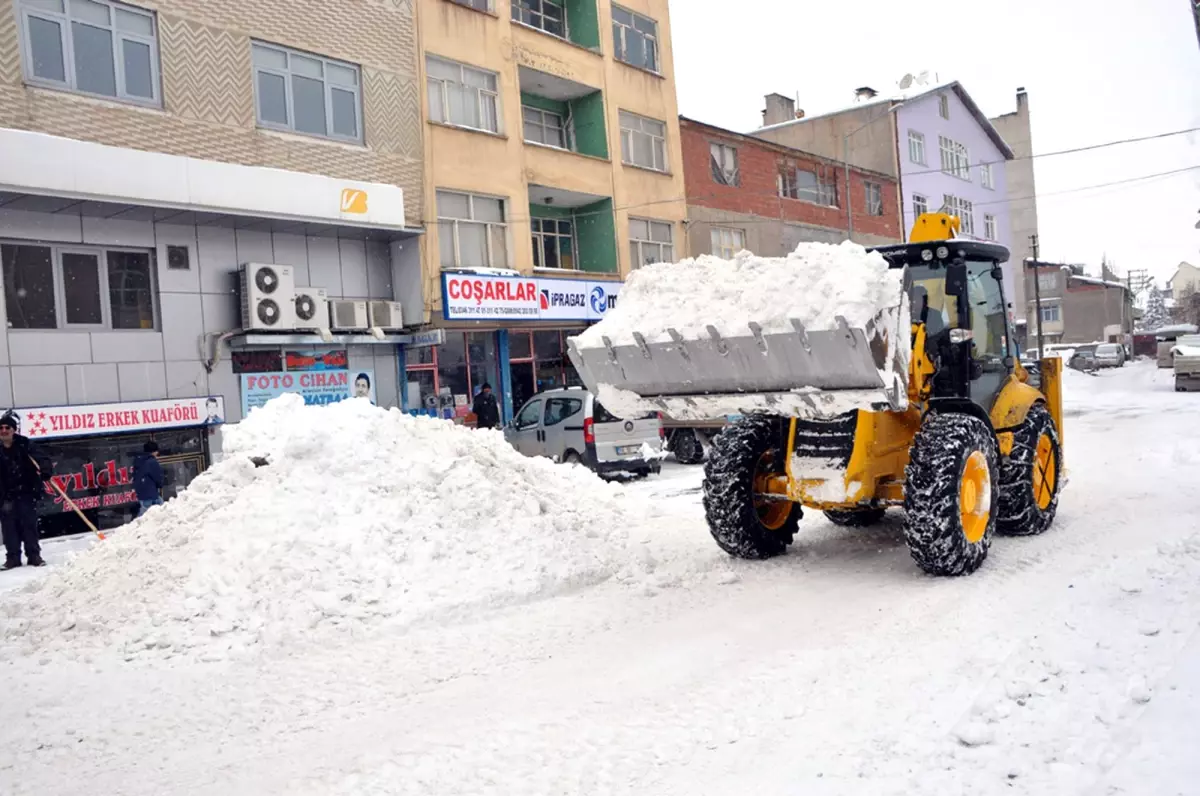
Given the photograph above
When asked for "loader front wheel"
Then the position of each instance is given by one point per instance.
(745, 519)
(951, 494)
(1030, 476)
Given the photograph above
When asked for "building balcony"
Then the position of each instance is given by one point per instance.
(574, 21)
(562, 114)
(572, 231)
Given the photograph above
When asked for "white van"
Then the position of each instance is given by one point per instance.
(570, 425)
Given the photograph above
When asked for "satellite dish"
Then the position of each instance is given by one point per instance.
(923, 78)
(905, 82)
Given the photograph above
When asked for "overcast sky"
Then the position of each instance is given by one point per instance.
(1095, 72)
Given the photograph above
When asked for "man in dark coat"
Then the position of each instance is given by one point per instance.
(487, 412)
(24, 468)
(148, 477)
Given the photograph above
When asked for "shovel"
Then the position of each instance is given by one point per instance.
(71, 503)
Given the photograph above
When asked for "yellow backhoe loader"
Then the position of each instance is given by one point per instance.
(969, 449)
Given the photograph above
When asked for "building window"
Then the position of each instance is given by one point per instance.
(462, 95)
(727, 242)
(544, 15)
(964, 210)
(478, 5)
(1050, 314)
(304, 93)
(724, 161)
(874, 198)
(1048, 281)
(916, 147)
(808, 186)
(472, 231)
(635, 39)
(955, 160)
(985, 176)
(544, 127)
(553, 243)
(650, 242)
(91, 46)
(989, 226)
(68, 287)
(944, 106)
(643, 142)
(920, 205)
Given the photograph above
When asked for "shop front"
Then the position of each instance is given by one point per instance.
(93, 448)
(507, 331)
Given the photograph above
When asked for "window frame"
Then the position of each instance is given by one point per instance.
(658, 142)
(1045, 308)
(920, 205)
(621, 48)
(718, 245)
(289, 94)
(471, 4)
(514, 14)
(489, 227)
(539, 237)
(916, 148)
(962, 209)
(644, 243)
(569, 400)
(1047, 284)
(873, 194)
(564, 127)
(64, 21)
(721, 174)
(989, 226)
(100, 252)
(824, 195)
(480, 93)
(956, 158)
(986, 177)
(944, 106)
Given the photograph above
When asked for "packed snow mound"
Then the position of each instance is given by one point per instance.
(814, 284)
(363, 518)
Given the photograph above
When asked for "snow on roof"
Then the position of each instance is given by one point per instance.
(1091, 280)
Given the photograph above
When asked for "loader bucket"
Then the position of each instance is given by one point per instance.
(794, 372)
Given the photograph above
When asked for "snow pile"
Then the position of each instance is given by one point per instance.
(362, 518)
(814, 284)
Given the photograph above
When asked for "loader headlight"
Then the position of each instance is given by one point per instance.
(927, 255)
(961, 335)
(943, 252)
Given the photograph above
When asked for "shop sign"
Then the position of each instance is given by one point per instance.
(52, 422)
(320, 377)
(506, 298)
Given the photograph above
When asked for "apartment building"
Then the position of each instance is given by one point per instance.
(552, 168)
(1076, 308)
(746, 193)
(147, 150)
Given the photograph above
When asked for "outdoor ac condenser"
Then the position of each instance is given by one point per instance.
(347, 314)
(268, 297)
(386, 315)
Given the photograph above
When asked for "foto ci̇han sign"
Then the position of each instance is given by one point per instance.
(319, 377)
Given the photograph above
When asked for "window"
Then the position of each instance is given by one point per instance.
(635, 39)
(985, 176)
(916, 147)
(650, 242)
(1050, 314)
(528, 417)
(643, 142)
(1048, 281)
(944, 106)
(62, 287)
(472, 232)
(91, 46)
(478, 5)
(809, 186)
(462, 95)
(727, 242)
(989, 320)
(874, 198)
(541, 14)
(954, 158)
(963, 209)
(553, 243)
(724, 162)
(559, 409)
(920, 205)
(989, 226)
(544, 127)
(305, 93)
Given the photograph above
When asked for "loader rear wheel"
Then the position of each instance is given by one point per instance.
(742, 520)
(951, 495)
(688, 449)
(1030, 477)
(856, 518)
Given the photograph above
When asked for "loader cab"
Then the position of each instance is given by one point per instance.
(956, 289)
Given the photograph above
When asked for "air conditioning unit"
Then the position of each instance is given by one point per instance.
(348, 314)
(312, 308)
(268, 295)
(386, 315)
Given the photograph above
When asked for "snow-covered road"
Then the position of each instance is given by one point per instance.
(1067, 665)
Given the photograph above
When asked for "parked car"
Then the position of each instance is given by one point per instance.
(570, 425)
(1110, 355)
(1084, 358)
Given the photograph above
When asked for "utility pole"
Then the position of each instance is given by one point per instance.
(1037, 290)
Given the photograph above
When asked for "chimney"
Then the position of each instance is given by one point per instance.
(779, 109)
(865, 94)
(1022, 99)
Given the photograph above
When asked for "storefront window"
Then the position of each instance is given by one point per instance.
(482, 349)
(452, 367)
(519, 345)
(419, 356)
(422, 390)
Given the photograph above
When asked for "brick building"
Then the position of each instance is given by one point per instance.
(743, 192)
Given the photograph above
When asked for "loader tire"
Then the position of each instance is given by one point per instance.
(856, 518)
(688, 449)
(742, 526)
(951, 494)
(1030, 477)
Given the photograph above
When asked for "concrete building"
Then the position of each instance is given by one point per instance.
(151, 148)
(1015, 129)
(1077, 309)
(746, 193)
(552, 153)
(942, 150)
(1185, 281)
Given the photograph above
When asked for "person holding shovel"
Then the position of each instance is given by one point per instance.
(23, 469)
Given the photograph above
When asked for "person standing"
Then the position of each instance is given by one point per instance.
(148, 477)
(24, 468)
(487, 412)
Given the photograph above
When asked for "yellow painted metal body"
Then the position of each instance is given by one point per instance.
(931, 227)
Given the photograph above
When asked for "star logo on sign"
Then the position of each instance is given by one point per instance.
(40, 416)
(37, 428)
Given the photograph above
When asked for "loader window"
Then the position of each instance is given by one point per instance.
(942, 313)
(987, 312)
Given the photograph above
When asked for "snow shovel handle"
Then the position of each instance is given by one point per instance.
(70, 503)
